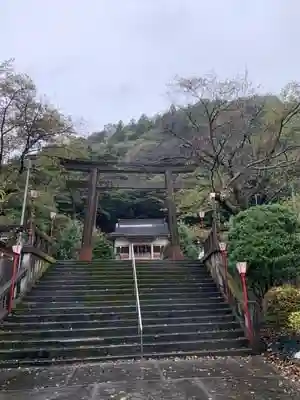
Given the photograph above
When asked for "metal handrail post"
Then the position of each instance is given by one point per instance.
(138, 306)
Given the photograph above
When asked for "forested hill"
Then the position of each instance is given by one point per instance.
(245, 147)
(143, 140)
(168, 135)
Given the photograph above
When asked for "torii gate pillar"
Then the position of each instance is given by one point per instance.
(86, 251)
(174, 252)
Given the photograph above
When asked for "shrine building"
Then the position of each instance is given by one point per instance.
(148, 237)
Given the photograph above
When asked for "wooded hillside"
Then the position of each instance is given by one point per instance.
(245, 146)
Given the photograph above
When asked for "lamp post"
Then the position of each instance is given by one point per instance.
(25, 196)
(202, 215)
(33, 195)
(223, 249)
(52, 217)
(212, 197)
(242, 270)
(30, 156)
(25, 192)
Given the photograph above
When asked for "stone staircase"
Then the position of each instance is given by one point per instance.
(86, 312)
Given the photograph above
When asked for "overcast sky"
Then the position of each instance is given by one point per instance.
(106, 60)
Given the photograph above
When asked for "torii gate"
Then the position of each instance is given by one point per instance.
(93, 168)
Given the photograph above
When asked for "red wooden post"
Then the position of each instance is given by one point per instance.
(201, 215)
(242, 269)
(223, 250)
(16, 250)
(246, 305)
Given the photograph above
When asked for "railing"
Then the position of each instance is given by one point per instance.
(19, 272)
(138, 306)
(211, 243)
(231, 290)
(40, 240)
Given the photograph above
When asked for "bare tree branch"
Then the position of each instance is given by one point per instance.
(239, 137)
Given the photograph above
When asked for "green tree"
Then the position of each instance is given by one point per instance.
(69, 240)
(187, 245)
(26, 122)
(190, 201)
(102, 248)
(267, 237)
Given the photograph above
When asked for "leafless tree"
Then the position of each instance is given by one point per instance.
(247, 143)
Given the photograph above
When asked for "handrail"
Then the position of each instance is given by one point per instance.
(17, 279)
(230, 289)
(138, 306)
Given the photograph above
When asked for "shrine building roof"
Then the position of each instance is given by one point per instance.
(141, 227)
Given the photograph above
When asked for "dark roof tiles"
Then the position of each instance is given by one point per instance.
(142, 227)
(142, 221)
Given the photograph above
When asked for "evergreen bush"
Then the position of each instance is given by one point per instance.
(280, 304)
(267, 237)
(69, 240)
(102, 248)
(187, 245)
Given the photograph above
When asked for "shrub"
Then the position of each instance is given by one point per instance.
(280, 304)
(294, 321)
(102, 248)
(69, 240)
(187, 237)
(267, 237)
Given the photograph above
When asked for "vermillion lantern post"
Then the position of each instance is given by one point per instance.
(223, 249)
(212, 197)
(242, 270)
(52, 217)
(201, 216)
(16, 259)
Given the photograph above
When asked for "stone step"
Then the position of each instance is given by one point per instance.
(221, 311)
(170, 262)
(89, 302)
(128, 267)
(118, 276)
(139, 264)
(104, 297)
(87, 311)
(88, 297)
(126, 284)
(39, 362)
(129, 270)
(85, 284)
(82, 338)
(82, 291)
(118, 308)
(126, 350)
(121, 263)
(179, 289)
(157, 325)
(119, 281)
(161, 288)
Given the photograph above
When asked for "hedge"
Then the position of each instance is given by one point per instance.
(282, 307)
